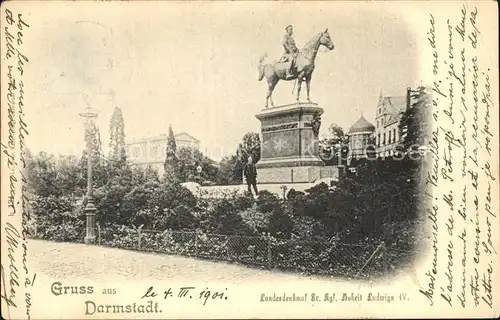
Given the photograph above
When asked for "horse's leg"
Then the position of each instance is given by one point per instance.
(308, 86)
(299, 86)
(267, 96)
(269, 91)
(271, 88)
(271, 82)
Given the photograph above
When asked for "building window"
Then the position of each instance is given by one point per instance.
(377, 123)
(383, 141)
(154, 150)
(379, 110)
(378, 140)
(389, 141)
(394, 134)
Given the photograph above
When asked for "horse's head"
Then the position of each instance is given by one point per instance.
(326, 40)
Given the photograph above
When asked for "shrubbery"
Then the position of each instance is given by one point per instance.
(58, 219)
(267, 202)
(280, 224)
(351, 213)
(222, 218)
(255, 220)
(377, 204)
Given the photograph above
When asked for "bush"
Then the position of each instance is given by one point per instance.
(222, 218)
(147, 203)
(309, 228)
(244, 202)
(280, 224)
(137, 199)
(119, 236)
(110, 205)
(318, 189)
(71, 231)
(293, 194)
(173, 195)
(181, 218)
(49, 208)
(58, 219)
(268, 202)
(257, 221)
(318, 202)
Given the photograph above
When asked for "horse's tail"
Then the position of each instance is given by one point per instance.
(261, 66)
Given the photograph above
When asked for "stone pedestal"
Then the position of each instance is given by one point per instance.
(289, 147)
(90, 213)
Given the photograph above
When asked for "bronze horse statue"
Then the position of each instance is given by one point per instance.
(304, 66)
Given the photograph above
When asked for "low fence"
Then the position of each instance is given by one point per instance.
(368, 260)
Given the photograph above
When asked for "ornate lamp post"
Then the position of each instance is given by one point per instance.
(90, 209)
(199, 169)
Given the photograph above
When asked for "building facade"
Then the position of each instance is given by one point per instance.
(151, 151)
(384, 134)
(359, 136)
(388, 116)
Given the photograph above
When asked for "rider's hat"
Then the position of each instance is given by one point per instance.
(288, 26)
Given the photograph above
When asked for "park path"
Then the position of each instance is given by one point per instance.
(58, 260)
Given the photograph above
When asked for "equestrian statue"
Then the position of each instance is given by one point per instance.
(295, 64)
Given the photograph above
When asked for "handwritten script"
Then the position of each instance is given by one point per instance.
(460, 176)
(14, 270)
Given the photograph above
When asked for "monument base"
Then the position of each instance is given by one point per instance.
(289, 174)
(288, 171)
(289, 148)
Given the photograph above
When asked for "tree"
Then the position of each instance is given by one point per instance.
(42, 175)
(171, 161)
(337, 134)
(151, 174)
(249, 146)
(97, 154)
(48, 176)
(99, 174)
(117, 136)
(190, 159)
(414, 125)
(140, 175)
(364, 215)
(329, 146)
(229, 171)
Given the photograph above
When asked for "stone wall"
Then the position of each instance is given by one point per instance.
(332, 172)
(306, 174)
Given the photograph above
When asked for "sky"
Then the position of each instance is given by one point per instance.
(194, 66)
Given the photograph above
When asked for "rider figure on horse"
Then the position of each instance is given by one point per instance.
(291, 51)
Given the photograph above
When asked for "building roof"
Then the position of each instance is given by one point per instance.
(186, 136)
(394, 107)
(183, 136)
(362, 125)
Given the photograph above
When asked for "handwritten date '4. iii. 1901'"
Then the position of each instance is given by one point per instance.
(187, 292)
